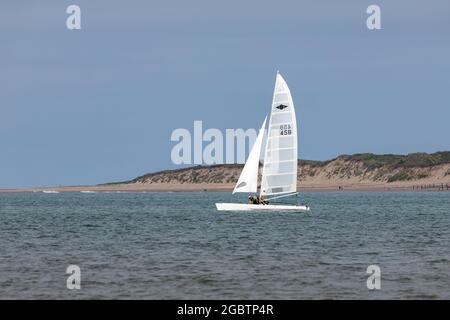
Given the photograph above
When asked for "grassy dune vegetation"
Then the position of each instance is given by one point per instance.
(363, 167)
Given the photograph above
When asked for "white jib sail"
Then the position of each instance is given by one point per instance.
(248, 180)
(279, 174)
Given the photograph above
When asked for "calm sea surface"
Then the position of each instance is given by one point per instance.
(176, 245)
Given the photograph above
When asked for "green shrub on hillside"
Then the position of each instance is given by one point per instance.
(400, 176)
(412, 160)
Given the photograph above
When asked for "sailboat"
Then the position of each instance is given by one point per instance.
(279, 173)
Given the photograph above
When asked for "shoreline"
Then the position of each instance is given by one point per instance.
(218, 187)
(347, 173)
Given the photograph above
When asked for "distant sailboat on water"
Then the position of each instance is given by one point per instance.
(279, 174)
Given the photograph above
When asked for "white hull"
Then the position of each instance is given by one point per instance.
(259, 207)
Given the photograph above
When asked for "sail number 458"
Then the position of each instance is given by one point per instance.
(285, 130)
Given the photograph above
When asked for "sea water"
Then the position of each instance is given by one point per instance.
(176, 245)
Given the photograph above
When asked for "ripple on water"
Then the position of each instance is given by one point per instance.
(161, 245)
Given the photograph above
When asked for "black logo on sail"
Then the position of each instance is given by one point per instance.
(282, 106)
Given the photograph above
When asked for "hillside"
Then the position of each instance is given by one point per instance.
(367, 170)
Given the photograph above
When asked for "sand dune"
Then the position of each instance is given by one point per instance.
(359, 172)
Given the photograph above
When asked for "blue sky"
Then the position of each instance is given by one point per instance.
(100, 104)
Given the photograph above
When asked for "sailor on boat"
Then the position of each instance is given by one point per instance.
(257, 200)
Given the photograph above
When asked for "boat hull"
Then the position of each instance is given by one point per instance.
(259, 207)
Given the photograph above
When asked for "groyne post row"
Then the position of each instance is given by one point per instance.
(434, 187)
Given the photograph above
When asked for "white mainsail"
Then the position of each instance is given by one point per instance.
(279, 174)
(248, 180)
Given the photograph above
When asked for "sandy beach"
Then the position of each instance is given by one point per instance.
(228, 187)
